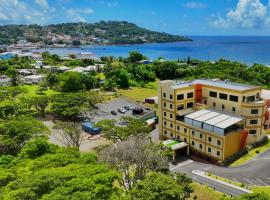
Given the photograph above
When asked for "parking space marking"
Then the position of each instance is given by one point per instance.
(249, 181)
(235, 180)
(262, 182)
(182, 164)
(207, 168)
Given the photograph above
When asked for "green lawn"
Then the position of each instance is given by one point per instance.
(205, 193)
(251, 154)
(31, 91)
(139, 94)
(260, 189)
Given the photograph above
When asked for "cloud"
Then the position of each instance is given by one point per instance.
(109, 3)
(195, 5)
(42, 3)
(248, 14)
(16, 11)
(75, 16)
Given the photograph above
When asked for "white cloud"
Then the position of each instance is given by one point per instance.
(16, 11)
(42, 3)
(74, 15)
(247, 14)
(195, 5)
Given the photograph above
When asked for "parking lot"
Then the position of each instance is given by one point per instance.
(104, 110)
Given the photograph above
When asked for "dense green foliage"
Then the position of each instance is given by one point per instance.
(157, 186)
(44, 171)
(111, 32)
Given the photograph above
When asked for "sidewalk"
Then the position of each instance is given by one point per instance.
(204, 174)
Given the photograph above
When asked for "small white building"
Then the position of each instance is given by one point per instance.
(25, 72)
(49, 68)
(63, 69)
(5, 80)
(34, 79)
(79, 70)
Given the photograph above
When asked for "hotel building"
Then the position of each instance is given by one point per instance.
(215, 118)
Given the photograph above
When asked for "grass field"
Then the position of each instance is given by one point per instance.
(32, 89)
(251, 154)
(139, 94)
(204, 193)
(260, 189)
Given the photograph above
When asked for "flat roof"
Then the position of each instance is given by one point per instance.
(214, 118)
(209, 115)
(215, 83)
(217, 119)
(228, 122)
(197, 114)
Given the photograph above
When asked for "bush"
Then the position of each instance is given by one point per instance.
(235, 156)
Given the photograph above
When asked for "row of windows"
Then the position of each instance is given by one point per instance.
(164, 95)
(209, 148)
(223, 96)
(179, 107)
(223, 107)
(181, 96)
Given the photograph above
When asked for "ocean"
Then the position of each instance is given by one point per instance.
(249, 50)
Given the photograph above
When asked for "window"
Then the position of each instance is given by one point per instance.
(164, 95)
(218, 142)
(254, 111)
(252, 132)
(164, 114)
(171, 116)
(178, 128)
(170, 96)
(233, 98)
(193, 133)
(190, 105)
(171, 134)
(213, 94)
(185, 130)
(171, 125)
(205, 101)
(244, 99)
(253, 121)
(180, 97)
(250, 98)
(214, 104)
(180, 107)
(209, 149)
(218, 153)
(164, 104)
(233, 109)
(223, 96)
(209, 139)
(190, 95)
(165, 123)
(171, 106)
(223, 106)
(200, 146)
(165, 132)
(185, 139)
(201, 136)
(178, 137)
(192, 143)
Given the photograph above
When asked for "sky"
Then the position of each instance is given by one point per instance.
(181, 17)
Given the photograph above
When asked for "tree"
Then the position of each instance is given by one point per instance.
(16, 132)
(134, 158)
(41, 103)
(51, 80)
(253, 196)
(70, 82)
(158, 186)
(116, 133)
(13, 74)
(135, 56)
(36, 148)
(166, 70)
(70, 133)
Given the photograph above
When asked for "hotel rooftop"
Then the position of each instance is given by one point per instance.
(214, 83)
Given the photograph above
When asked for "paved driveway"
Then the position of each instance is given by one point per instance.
(255, 172)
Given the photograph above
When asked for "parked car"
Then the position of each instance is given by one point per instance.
(122, 110)
(123, 123)
(128, 107)
(113, 112)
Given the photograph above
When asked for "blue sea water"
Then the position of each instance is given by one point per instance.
(237, 48)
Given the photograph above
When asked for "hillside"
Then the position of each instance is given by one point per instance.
(111, 32)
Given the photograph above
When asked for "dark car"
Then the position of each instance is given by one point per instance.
(113, 112)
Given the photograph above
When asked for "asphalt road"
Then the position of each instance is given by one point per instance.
(255, 172)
